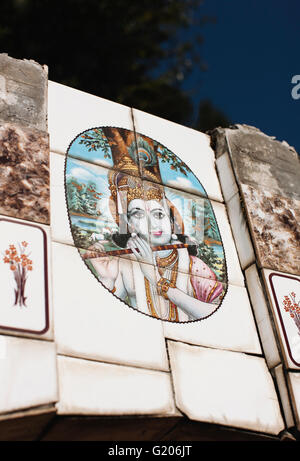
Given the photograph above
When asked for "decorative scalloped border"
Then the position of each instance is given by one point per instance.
(78, 249)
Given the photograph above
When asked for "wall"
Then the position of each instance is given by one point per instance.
(78, 354)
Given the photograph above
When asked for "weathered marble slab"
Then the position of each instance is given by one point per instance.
(23, 92)
(259, 159)
(274, 225)
(24, 173)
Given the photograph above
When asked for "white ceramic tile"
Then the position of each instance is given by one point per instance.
(60, 227)
(294, 386)
(234, 272)
(71, 112)
(225, 388)
(281, 289)
(191, 146)
(226, 177)
(284, 396)
(93, 388)
(262, 316)
(230, 327)
(184, 218)
(29, 315)
(27, 373)
(240, 231)
(90, 322)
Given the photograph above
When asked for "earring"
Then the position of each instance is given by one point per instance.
(174, 237)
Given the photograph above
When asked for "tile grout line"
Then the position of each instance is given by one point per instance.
(111, 363)
(172, 379)
(181, 341)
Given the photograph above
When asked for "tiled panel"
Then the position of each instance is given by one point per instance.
(102, 219)
(199, 222)
(176, 217)
(90, 231)
(137, 284)
(294, 385)
(274, 223)
(158, 164)
(93, 388)
(24, 163)
(109, 147)
(240, 231)
(231, 327)
(25, 272)
(60, 227)
(284, 295)
(70, 112)
(234, 272)
(189, 146)
(262, 316)
(226, 176)
(223, 387)
(28, 373)
(90, 322)
(284, 396)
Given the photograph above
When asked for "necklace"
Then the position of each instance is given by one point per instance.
(168, 261)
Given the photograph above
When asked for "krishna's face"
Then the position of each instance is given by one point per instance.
(150, 220)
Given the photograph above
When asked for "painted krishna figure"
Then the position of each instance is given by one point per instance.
(160, 274)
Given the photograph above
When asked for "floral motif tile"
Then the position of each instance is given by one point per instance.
(25, 274)
(284, 295)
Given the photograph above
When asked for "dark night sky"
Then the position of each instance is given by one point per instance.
(252, 53)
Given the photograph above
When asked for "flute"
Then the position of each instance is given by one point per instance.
(90, 254)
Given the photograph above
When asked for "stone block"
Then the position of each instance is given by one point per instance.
(260, 159)
(24, 177)
(274, 225)
(23, 92)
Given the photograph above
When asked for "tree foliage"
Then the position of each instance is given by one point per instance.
(132, 52)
